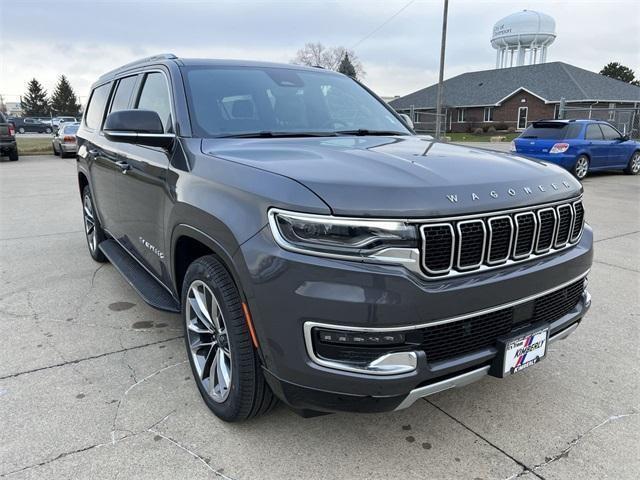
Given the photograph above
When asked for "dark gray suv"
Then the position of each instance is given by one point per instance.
(318, 251)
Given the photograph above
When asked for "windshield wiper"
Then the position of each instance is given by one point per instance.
(270, 134)
(364, 132)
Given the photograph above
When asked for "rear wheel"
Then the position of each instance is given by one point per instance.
(55, 151)
(13, 155)
(21, 130)
(633, 168)
(581, 168)
(92, 228)
(47, 130)
(223, 359)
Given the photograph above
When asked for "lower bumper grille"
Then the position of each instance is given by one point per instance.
(449, 340)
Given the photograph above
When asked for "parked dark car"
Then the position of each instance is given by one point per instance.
(31, 125)
(8, 145)
(317, 250)
(64, 140)
(580, 146)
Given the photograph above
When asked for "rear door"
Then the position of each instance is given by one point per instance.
(617, 150)
(597, 147)
(142, 188)
(101, 167)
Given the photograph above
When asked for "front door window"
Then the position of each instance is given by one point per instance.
(522, 117)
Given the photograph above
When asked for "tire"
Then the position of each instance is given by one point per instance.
(633, 167)
(21, 130)
(55, 152)
(13, 155)
(581, 167)
(93, 231)
(47, 130)
(221, 339)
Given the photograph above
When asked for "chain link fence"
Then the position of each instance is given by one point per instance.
(625, 119)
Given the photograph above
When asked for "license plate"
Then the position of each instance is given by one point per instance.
(525, 351)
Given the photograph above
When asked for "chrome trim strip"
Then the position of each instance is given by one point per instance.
(533, 238)
(511, 231)
(453, 382)
(571, 217)
(424, 247)
(138, 134)
(484, 244)
(468, 377)
(553, 233)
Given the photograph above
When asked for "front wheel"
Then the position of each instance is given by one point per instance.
(633, 168)
(581, 167)
(21, 130)
(92, 229)
(47, 130)
(223, 359)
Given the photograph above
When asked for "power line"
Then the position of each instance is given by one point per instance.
(382, 25)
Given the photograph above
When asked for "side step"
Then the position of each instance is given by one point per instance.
(142, 281)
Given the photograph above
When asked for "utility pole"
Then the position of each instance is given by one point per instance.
(441, 76)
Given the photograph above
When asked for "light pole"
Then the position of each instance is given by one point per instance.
(441, 75)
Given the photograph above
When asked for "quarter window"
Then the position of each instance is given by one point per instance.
(155, 97)
(95, 110)
(593, 132)
(123, 93)
(488, 114)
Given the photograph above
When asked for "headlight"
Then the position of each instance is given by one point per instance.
(343, 237)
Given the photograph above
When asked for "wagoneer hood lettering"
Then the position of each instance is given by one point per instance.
(401, 176)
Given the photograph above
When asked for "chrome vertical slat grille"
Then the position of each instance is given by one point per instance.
(459, 246)
(500, 239)
(471, 243)
(547, 219)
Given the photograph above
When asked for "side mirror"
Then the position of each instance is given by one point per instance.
(141, 127)
(407, 120)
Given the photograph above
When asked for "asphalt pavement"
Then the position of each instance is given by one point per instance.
(95, 384)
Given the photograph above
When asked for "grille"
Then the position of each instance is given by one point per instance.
(437, 248)
(461, 246)
(441, 342)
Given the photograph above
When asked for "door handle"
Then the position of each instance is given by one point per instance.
(124, 166)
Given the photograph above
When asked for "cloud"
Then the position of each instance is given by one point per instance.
(403, 56)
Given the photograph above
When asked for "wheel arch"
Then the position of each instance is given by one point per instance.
(83, 182)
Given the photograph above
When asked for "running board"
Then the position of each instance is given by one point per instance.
(142, 281)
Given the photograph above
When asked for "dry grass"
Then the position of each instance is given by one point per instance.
(34, 145)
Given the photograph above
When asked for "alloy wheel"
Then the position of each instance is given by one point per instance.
(208, 341)
(635, 163)
(582, 166)
(90, 223)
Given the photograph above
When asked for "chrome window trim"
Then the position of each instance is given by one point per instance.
(484, 244)
(310, 325)
(571, 220)
(553, 233)
(511, 237)
(575, 215)
(424, 248)
(533, 238)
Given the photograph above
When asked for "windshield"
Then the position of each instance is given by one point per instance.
(552, 131)
(227, 101)
(71, 129)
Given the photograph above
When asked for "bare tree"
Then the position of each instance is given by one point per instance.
(316, 54)
(3, 107)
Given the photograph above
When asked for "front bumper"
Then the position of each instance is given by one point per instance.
(286, 290)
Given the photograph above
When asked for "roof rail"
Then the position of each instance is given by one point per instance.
(142, 61)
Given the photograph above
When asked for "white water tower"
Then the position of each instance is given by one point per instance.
(522, 38)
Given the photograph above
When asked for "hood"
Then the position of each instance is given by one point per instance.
(404, 176)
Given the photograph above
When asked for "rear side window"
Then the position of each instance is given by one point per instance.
(95, 110)
(123, 93)
(593, 132)
(155, 96)
(609, 132)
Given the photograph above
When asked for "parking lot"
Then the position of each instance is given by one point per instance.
(96, 384)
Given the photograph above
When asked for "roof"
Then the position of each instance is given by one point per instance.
(164, 58)
(548, 81)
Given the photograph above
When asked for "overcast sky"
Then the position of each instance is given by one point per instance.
(83, 39)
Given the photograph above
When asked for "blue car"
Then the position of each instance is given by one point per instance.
(580, 146)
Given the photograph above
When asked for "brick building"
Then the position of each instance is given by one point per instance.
(512, 98)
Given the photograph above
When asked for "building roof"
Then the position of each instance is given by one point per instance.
(548, 81)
